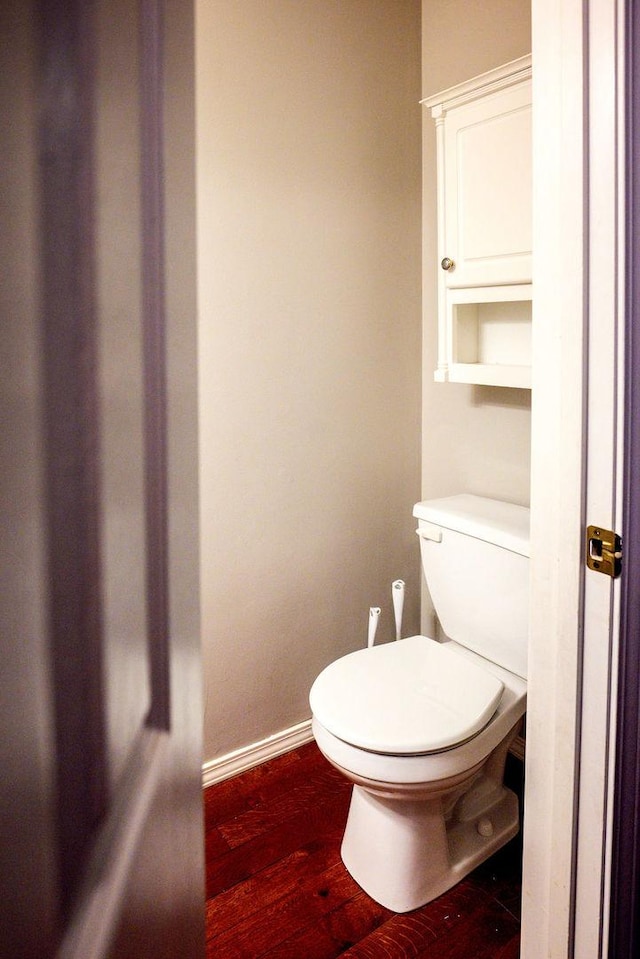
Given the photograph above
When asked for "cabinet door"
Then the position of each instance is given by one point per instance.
(487, 189)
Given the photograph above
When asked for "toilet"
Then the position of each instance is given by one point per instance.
(422, 726)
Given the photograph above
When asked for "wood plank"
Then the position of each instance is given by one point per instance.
(269, 847)
(483, 937)
(408, 934)
(215, 845)
(223, 801)
(276, 776)
(241, 901)
(231, 798)
(333, 933)
(478, 931)
(305, 904)
(300, 798)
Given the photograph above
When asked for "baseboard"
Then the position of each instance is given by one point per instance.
(240, 760)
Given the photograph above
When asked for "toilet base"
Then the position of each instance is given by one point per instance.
(403, 853)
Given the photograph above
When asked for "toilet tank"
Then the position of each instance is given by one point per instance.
(475, 557)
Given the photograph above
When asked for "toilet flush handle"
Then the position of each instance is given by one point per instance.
(429, 531)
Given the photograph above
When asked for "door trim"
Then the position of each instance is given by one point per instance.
(602, 438)
(625, 879)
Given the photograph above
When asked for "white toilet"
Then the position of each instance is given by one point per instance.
(422, 727)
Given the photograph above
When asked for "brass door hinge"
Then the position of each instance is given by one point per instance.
(604, 551)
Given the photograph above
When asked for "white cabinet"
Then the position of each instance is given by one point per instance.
(483, 130)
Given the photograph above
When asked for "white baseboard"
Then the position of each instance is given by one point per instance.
(240, 760)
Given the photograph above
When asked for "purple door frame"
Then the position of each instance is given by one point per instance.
(624, 940)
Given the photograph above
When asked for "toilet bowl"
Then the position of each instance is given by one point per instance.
(419, 822)
(422, 727)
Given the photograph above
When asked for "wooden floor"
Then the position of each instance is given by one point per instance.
(276, 886)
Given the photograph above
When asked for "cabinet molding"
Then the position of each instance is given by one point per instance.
(507, 75)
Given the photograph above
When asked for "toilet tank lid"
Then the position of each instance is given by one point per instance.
(504, 524)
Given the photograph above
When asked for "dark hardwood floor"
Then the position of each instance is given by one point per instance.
(276, 886)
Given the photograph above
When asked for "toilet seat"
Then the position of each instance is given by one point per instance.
(415, 696)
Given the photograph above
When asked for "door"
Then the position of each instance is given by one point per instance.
(577, 463)
(101, 704)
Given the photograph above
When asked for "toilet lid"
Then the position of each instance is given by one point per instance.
(411, 696)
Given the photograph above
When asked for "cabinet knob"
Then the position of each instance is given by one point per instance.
(447, 263)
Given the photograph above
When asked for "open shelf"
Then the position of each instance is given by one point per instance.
(489, 336)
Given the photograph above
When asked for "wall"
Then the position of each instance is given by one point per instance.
(475, 439)
(308, 173)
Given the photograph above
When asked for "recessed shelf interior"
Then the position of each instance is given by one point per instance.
(494, 334)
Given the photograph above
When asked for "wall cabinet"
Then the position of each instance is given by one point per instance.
(483, 130)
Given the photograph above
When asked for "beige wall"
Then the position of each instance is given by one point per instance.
(308, 175)
(475, 439)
